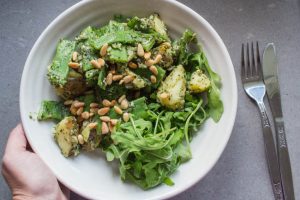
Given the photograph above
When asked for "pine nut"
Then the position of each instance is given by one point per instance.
(121, 82)
(95, 64)
(132, 65)
(92, 125)
(79, 111)
(78, 104)
(153, 69)
(106, 103)
(68, 102)
(126, 117)
(140, 50)
(103, 111)
(105, 118)
(124, 104)
(113, 102)
(118, 110)
(149, 62)
(109, 79)
(94, 105)
(121, 98)
(113, 72)
(101, 62)
(94, 110)
(157, 58)
(80, 139)
(113, 122)
(85, 115)
(147, 55)
(73, 110)
(153, 79)
(128, 78)
(110, 127)
(75, 56)
(103, 50)
(104, 128)
(91, 114)
(74, 65)
(117, 77)
(164, 95)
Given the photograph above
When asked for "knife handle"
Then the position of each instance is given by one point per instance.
(270, 151)
(284, 160)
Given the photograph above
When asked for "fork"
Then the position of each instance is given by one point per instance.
(251, 74)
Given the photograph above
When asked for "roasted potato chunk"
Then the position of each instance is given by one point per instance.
(171, 92)
(66, 132)
(75, 86)
(199, 82)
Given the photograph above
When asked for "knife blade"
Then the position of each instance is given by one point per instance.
(270, 75)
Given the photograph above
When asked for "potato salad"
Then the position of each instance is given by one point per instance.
(130, 90)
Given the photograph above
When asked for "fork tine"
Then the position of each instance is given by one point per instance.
(248, 68)
(259, 69)
(243, 74)
(253, 65)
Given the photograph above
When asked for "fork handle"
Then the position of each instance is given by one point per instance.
(270, 151)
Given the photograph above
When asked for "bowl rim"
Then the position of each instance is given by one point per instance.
(180, 5)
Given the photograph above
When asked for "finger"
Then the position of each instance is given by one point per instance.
(28, 148)
(16, 141)
(65, 190)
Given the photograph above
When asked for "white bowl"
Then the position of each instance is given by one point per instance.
(89, 174)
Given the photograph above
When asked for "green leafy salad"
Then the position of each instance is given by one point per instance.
(130, 90)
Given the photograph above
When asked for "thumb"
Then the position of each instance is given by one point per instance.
(16, 141)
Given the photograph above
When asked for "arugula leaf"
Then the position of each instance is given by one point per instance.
(144, 72)
(121, 18)
(215, 105)
(168, 181)
(101, 77)
(180, 47)
(88, 99)
(114, 26)
(166, 120)
(183, 152)
(110, 92)
(92, 77)
(109, 156)
(139, 108)
(88, 54)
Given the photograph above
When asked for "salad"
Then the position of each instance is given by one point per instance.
(130, 90)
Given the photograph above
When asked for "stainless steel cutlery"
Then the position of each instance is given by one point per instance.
(251, 74)
(270, 76)
(257, 79)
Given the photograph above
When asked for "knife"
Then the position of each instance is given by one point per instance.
(270, 75)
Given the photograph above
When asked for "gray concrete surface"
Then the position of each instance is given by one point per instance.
(241, 173)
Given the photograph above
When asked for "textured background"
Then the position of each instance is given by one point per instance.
(241, 173)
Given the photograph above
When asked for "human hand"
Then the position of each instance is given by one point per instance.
(26, 174)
